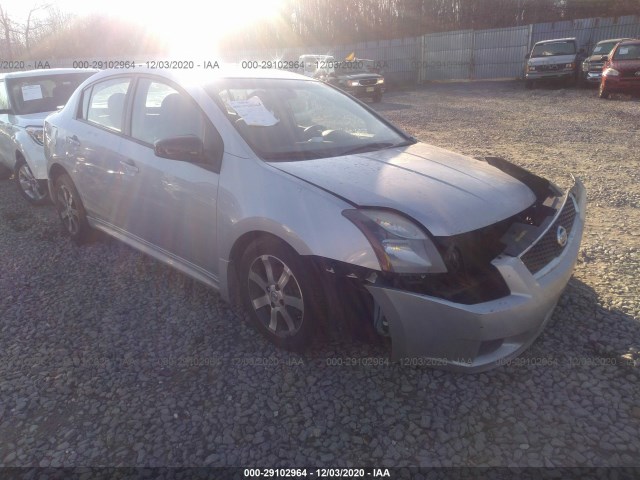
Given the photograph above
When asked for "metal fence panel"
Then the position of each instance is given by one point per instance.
(588, 31)
(499, 53)
(447, 55)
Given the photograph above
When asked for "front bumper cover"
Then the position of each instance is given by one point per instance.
(550, 75)
(431, 331)
(363, 91)
(594, 77)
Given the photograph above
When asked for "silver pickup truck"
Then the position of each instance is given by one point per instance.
(553, 60)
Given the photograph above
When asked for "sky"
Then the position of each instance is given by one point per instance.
(180, 22)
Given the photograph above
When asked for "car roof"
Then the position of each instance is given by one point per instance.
(205, 75)
(613, 40)
(568, 39)
(43, 72)
(631, 41)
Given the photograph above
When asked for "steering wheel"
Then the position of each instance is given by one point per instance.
(314, 131)
(337, 135)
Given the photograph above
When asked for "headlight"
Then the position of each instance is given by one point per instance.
(570, 65)
(380, 80)
(400, 245)
(36, 134)
(531, 68)
(353, 83)
(585, 66)
(611, 72)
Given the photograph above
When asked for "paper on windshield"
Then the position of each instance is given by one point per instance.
(623, 50)
(31, 92)
(253, 112)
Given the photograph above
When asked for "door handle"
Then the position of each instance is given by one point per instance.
(129, 167)
(73, 140)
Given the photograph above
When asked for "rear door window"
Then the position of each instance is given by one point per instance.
(4, 100)
(106, 103)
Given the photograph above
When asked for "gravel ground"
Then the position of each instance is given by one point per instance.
(108, 358)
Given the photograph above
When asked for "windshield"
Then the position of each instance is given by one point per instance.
(354, 67)
(628, 52)
(43, 93)
(296, 120)
(604, 48)
(318, 65)
(552, 49)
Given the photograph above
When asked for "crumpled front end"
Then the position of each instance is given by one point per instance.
(462, 334)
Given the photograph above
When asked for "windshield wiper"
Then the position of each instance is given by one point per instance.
(292, 155)
(369, 147)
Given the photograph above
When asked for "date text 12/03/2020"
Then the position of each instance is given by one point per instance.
(317, 472)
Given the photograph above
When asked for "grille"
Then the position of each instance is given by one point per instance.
(368, 81)
(548, 67)
(547, 247)
(596, 67)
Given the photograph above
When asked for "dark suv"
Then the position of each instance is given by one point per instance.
(592, 66)
(355, 78)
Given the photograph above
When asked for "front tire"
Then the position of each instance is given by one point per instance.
(33, 190)
(70, 210)
(278, 293)
(529, 85)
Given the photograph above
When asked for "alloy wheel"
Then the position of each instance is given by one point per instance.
(29, 184)
(275, 296)
(68, 210)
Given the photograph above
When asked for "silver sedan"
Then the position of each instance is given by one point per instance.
(302, 204)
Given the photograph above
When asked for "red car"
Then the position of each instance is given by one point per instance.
(621, 72)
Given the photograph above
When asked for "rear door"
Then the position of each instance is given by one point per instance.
(95, 144)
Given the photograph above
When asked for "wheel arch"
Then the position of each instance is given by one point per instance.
(20, 155)
(55, 171)
(238, 248)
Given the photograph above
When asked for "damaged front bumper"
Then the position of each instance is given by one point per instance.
(472, 338)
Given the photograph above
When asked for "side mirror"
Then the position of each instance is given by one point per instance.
(581, 51)
(604, 58)
(186, 148)
(527, 56)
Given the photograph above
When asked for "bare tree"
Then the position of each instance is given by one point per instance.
(7, 32)
(36, 24)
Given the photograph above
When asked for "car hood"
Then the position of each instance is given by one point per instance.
(32, 119)
(553, 60)
(358, 76)
(626, 65)
(595, 58)
(446, 192)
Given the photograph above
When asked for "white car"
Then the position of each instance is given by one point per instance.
(26, 98)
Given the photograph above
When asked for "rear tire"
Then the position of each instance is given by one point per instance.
(279, 293)
(529, 85)
(377, 98)
(71, 211)
(32, 190)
